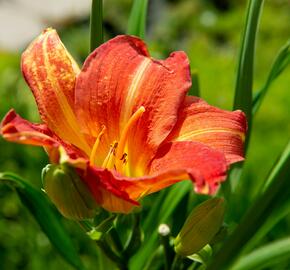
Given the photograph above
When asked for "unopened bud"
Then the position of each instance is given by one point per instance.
(200, 227)
(68, 192)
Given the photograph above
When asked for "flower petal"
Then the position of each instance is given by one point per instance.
(16, 129)
(174, 162)
(50, 72)
(106, 191)
(100, 181)
(117, 79)
(205, 166)
(220, 129)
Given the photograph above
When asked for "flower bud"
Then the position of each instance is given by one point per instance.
(68, 192)
(200, 227)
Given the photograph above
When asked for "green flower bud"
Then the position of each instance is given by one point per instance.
(68, 192)
(200, 227)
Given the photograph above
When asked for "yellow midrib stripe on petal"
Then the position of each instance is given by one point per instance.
(23, 135)
(189, 135)
(133, 89)
(68, 113)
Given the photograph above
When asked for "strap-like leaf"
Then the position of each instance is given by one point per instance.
(46, 216)
(137, 20)
(96, 24)
(277, 193)
(265, 256)
(194, 90)
(244, 80)
(163, 207)
(280, 63)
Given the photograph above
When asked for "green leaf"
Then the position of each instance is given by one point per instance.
(135, 240)
(46, 216)
(137, 20)
(281, 206)
(96, 24)
(276, 194)
(194, 90)
(280, 63)
(162, 209)
(278, 214)
(265, 256)
(244, 80)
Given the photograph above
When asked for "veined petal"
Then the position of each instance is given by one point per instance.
(219, 129)
(50, 71)
(173, 162)
(117, 79)
(107, 192)
(205, 166)
(101, 182)
(16, 129)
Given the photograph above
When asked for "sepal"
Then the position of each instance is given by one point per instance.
(68, 192)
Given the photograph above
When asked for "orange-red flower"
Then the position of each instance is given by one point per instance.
(124, 120)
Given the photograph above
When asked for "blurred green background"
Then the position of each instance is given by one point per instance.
(209, 31)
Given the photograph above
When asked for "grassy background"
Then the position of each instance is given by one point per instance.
(209, 32)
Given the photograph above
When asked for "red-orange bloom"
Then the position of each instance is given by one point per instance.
(124, 120)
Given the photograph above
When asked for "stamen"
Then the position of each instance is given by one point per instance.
(124, 136)
(124, 158)
(108, 161)
(95, 147)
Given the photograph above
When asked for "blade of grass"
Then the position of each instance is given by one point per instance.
(280, 63)
(244, 80)
(96, 24)
(46, 216)
(265, 256)
(257, 214)
(137, 19)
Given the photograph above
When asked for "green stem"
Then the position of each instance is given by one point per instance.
(115, 257)
(164, 235)
(136, 237)
(176, 265)
(103, 245)
(115, 240)
(96, 24)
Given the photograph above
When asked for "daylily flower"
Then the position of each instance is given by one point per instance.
(124, 120)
